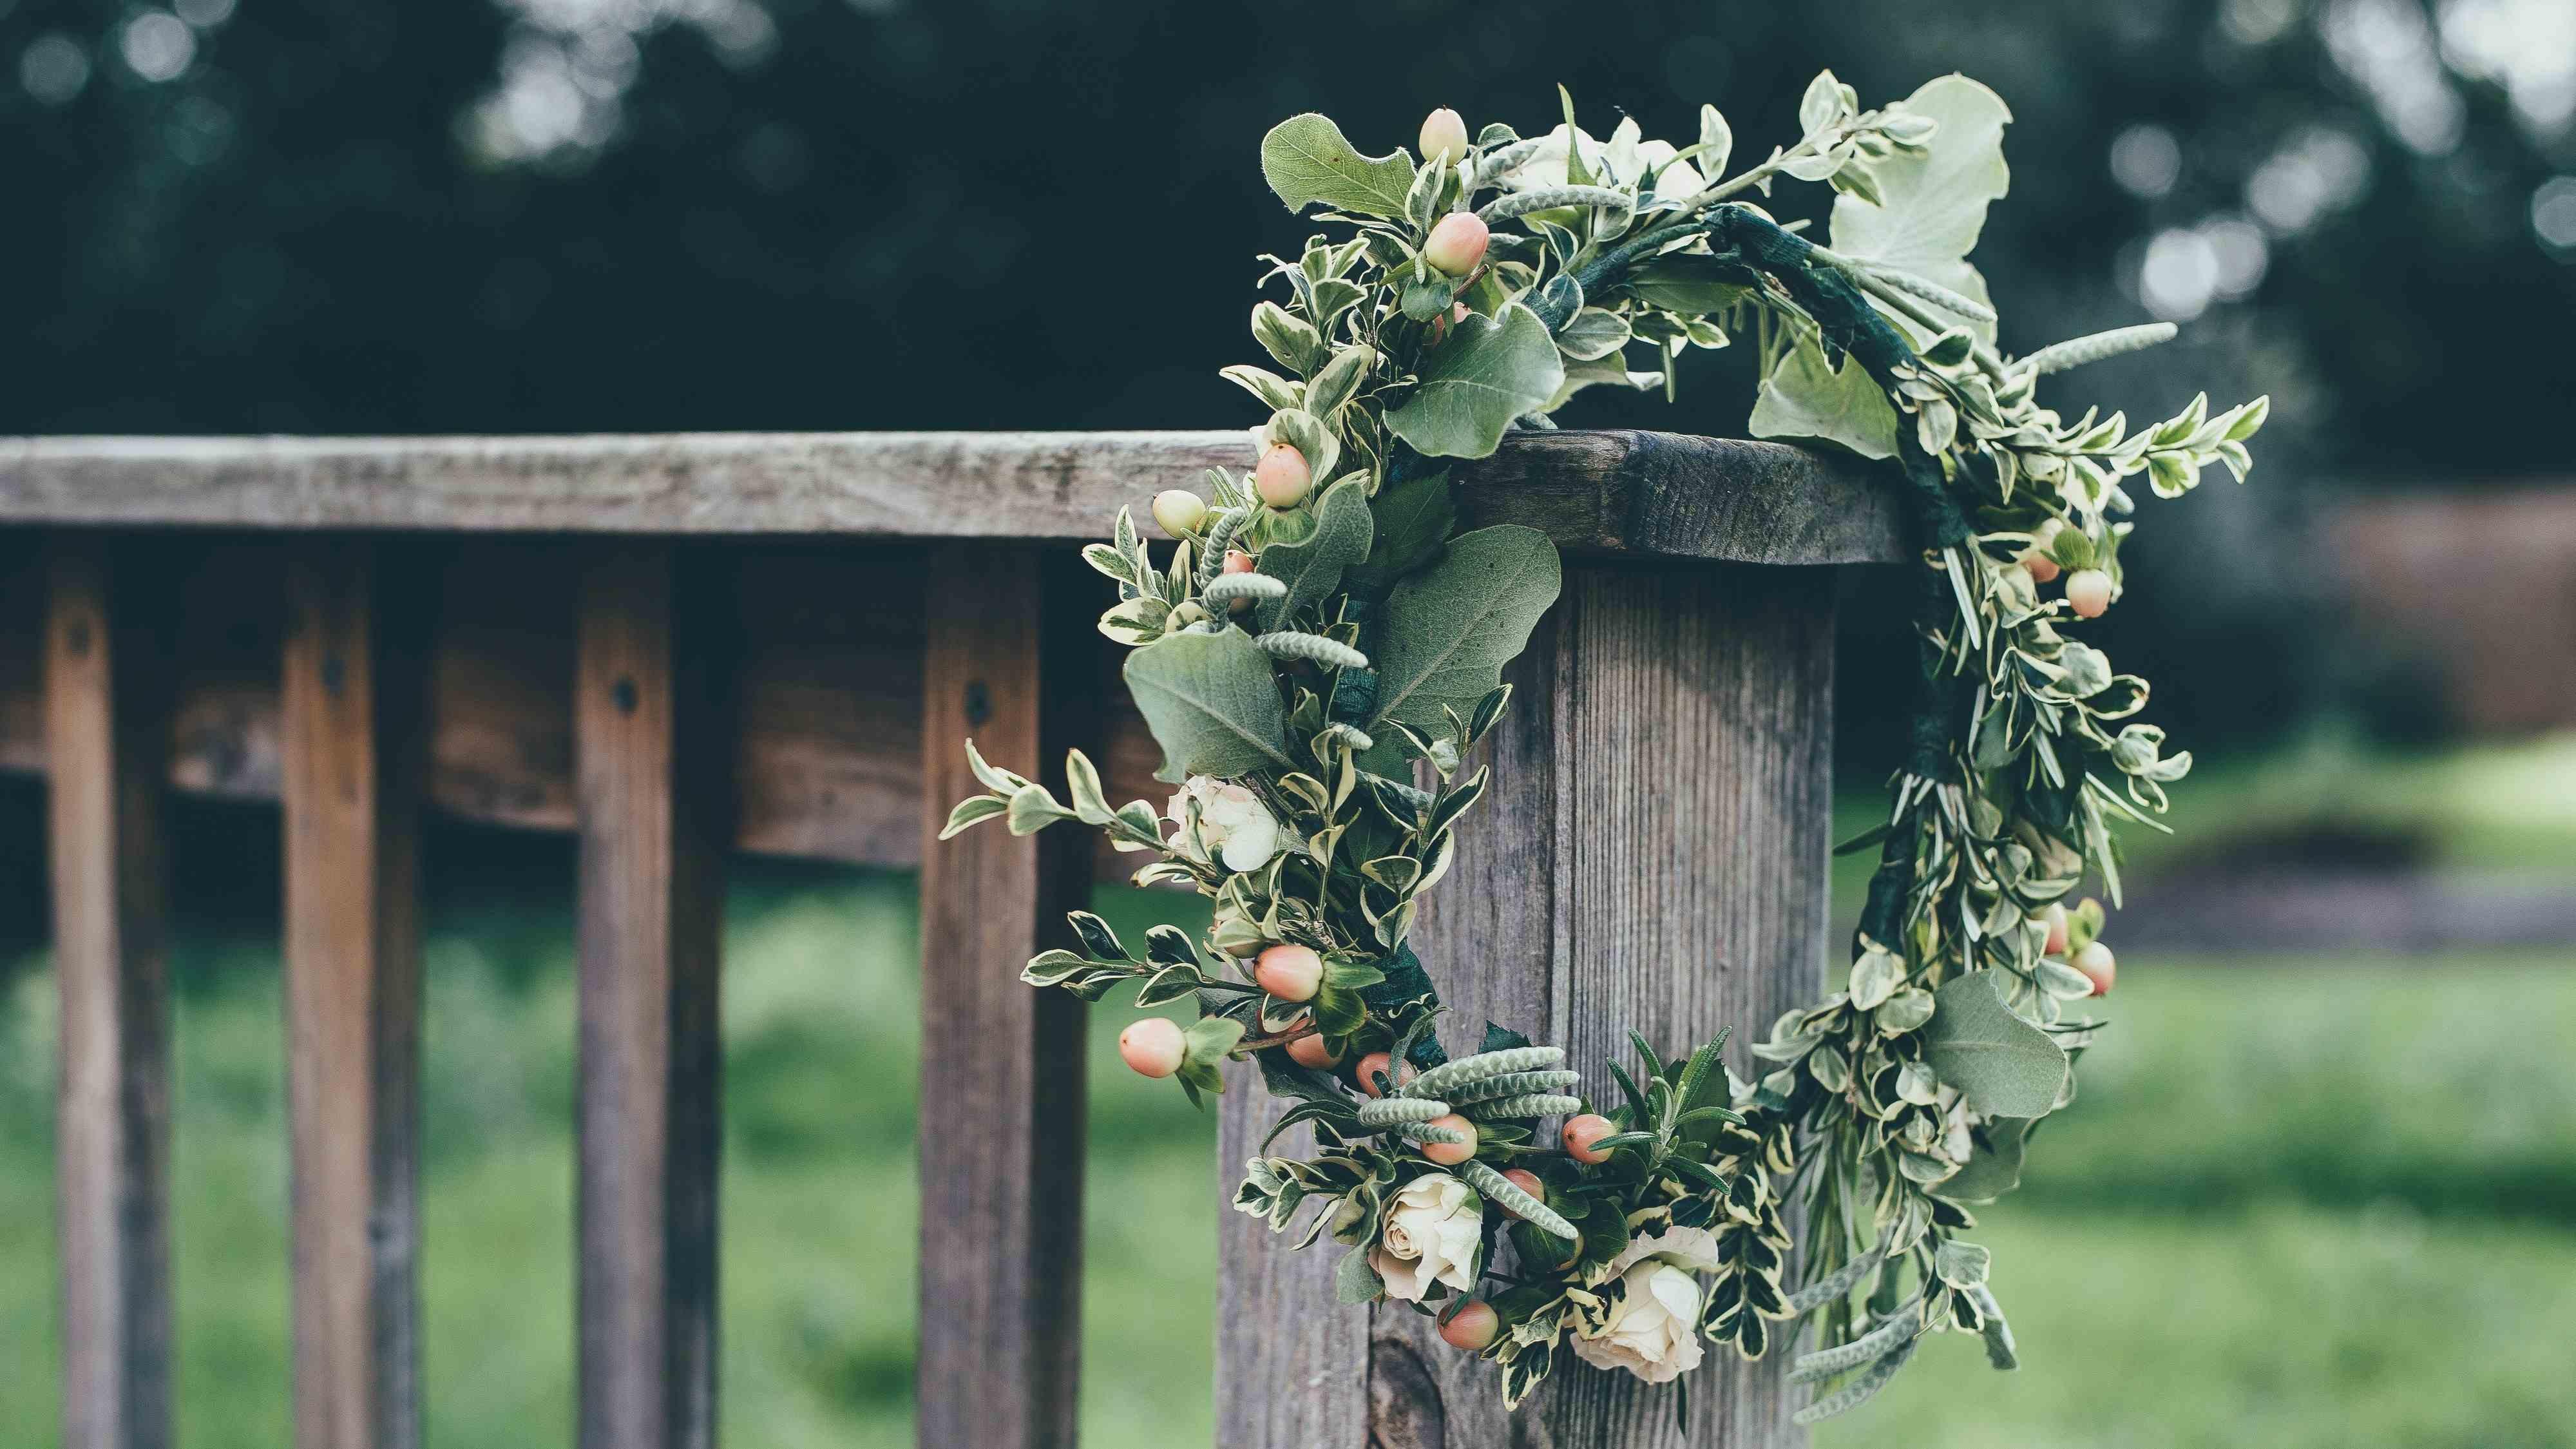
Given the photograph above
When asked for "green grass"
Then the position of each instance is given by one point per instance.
(2326, 1202)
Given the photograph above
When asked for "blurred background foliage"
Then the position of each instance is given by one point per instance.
(359, 216)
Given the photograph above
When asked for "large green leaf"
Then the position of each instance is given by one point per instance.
(1805, 398)
(1451, 628)
(1487, 373)
(1932, 202)
(1305, 159)
(2006, 1066)
(1312, 567)
(1212, 704)
(1413, 517)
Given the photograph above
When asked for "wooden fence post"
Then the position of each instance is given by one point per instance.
(106, 738)
(353, 742)
(1652, 855)
(1007, 663)
(653, 755)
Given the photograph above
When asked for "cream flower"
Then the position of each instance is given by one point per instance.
(1651, 1330)
(1230, 820)
(1690, 1249)
(1429, 1237)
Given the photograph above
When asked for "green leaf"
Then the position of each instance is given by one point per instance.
(1312, 567)
(1208, 1039)
(1489, 372)
(1592, 334)
(1996, 1167)
(1805, 398)
(972, 810)
(2006, 1066)
(1932, 201)
(1355, 1281)
(1693, 285)
(1450, 629)
(1412, 518)
(1305, 160)
(1212, 704)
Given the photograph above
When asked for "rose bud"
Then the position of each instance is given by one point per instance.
(1152, 1046)
(1237, 561)
(1450, 1154)
(2036, 558)
(2089, 590)
(1581, 1132)
(1376, 1065)
(2098, 966)
(2055, 916)
(1310, 1051)
(1444, 137)
(1457, 243)
(1179, 511)
(1291, 973)
(1474, 1325)
(1282, 476)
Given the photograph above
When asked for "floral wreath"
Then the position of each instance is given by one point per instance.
(1318, 645)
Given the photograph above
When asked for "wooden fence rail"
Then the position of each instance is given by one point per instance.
(678, 646)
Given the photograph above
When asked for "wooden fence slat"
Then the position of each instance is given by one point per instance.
(351, 744)
(650, 720)
(103, 657)
(1007, 663)
(1651, 854)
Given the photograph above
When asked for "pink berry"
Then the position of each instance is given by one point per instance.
(1310, 1051)
(1457, 243)
(2055, 915)
(1237, 561)
(1472, 1327)
(1291, 973)
(1581, 1132)
(1450, 1154)
(1152, 1046)
(2089, 591)
(1282, 476)
(1444, 136)
(2043, 569)
(1179, 511)
(2042, 566)
(1376, 1065)
(2098, 966)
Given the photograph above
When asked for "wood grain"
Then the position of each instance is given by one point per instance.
(1651, 855)
(103, 659)
(1750, 502)
(1001, 1065)
(651, 709)
(350, 748)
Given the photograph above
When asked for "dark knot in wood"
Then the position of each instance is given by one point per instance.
(1404, 1400)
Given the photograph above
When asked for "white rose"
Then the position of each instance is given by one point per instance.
(1429, 1237)
(1690, 1249)
(1230, 819)
(1652, 1330)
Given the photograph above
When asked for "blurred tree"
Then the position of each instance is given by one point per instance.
(552, 215)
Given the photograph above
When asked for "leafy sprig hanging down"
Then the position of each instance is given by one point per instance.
(1319, 653)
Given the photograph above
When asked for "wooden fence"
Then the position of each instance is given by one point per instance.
(673, 647)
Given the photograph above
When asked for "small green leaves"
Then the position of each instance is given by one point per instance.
(1306, 160)
(1488, 372)
(1806, 398)
(2006, 1066)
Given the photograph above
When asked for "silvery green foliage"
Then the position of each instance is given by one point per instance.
(1334, 695)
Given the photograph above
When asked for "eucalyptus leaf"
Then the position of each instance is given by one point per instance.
(1932, 202)
(1212, 703)
(1312, 567)
(1805, 397)
(1450, 629)
(1488, 372)
(1305, 159)
(2006, 1066)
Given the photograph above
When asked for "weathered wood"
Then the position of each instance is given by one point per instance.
(651, 708)
(1749, 502)
(103, 657)
(829, 671)
(1651, 855)
(1002, 1068)
(351, 750)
